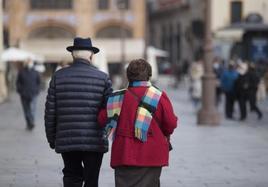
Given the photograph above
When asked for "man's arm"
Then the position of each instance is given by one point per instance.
(108, 91)
(50, 114)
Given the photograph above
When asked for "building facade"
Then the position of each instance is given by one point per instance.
(177, 26)
(47, 27)
(240, 29)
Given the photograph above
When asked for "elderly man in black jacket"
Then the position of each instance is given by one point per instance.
(28, 87)
(75, 96)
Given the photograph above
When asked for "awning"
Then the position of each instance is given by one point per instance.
(134, 48)
(235, 32)
(14, 54)
(55, 50)
(229, 34)
(51, 50)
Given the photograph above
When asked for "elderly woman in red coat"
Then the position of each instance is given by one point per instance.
(140, 120)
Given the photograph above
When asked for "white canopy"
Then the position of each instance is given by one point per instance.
(234, 34)
(15, 54)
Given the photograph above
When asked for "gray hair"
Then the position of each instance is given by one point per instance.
(84, 54)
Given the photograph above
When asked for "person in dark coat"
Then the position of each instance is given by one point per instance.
(254, 81)
(242, 89)
(28, 87)
(227, 82)
(218, 70)
(138, 156)
(75, 96)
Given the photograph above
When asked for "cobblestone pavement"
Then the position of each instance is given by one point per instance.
(234, 154)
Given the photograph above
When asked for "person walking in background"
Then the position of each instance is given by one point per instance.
(140, 121)
(75, 96)
(254, 81)
(227, 82)
(242, 89)
(196, 74)
(28, 86)
(218, 68)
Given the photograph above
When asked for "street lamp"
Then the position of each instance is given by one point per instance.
(208, 114)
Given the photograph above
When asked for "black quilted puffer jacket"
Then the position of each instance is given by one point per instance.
(75, 95)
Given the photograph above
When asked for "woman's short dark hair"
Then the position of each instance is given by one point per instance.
(139, 70)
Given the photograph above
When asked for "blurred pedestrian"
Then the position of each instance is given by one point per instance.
(185, 71)
(218, 70)
(140, 121)
(75, 95)
(196, 74)
(177, 73)
(28, 87)
(185, 67)
(254, 81)
(227, 82)
(242, 89)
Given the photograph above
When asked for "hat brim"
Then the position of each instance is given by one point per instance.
(72, 48)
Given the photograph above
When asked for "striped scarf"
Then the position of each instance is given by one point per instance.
(114, 105)
(146, 109)
(145, 112)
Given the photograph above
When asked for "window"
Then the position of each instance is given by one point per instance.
(103, 4)
(3, 3)
(236, 11)
(114, 32)
(123, 4)
(51, 4)
(6, 38)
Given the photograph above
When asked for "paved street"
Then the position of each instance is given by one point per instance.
(234, 154)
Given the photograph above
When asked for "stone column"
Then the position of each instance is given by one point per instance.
(84, 16)
(3, 88)
(208, 115)
(17, 10)
(138, 7)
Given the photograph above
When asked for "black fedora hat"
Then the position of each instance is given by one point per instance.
(83, 44)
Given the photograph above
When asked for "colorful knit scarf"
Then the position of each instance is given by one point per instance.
(145, 111)
(114, 105)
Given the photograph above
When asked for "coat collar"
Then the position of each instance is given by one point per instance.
(84, 62)
(140, 83)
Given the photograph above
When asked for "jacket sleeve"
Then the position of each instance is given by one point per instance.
(168, 120)
(50, 113)
(107, 91)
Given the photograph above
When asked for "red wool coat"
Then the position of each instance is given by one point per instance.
(129, 151)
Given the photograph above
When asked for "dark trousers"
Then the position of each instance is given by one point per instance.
(218, 95)
(242, 100)
(229, 104)
(81, 167)
(29, 109)
(252, 97)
